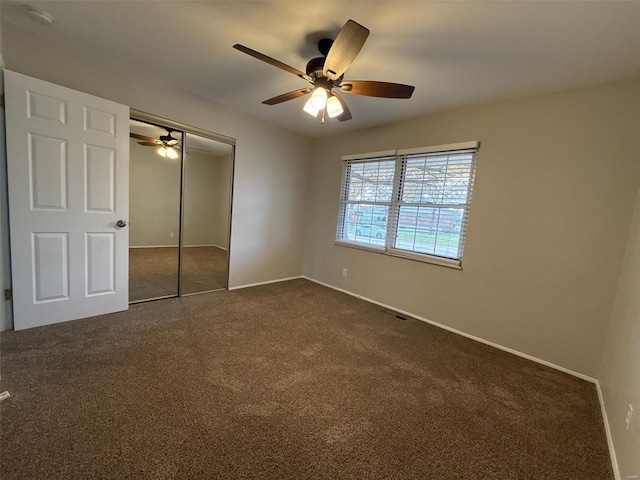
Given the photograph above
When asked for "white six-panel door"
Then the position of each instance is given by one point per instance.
(68, 171)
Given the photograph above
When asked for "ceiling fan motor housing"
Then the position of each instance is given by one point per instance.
(314, 70)
(315, 66)
(324, 45)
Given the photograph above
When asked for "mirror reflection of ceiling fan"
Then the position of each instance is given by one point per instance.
(326, 74)
(168, 146)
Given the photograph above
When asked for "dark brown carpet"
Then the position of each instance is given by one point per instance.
(204, 269)
(285, 381)
(153, 272)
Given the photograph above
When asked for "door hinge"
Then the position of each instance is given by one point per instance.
(8, 294)
(1, 101)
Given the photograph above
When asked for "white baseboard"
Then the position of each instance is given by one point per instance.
(607, 429)
(459, 332)
(209, 245)
(238, 287)
(176, 246)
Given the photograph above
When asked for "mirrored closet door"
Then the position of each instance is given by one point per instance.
(180, 209)
(154, 212)
(205, 224)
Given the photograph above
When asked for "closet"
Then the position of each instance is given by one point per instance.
(180, 195)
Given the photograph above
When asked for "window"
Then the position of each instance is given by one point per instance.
(410, 203)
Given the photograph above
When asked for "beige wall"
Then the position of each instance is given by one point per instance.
(620, 373)
(201, 178)
(556, 180)
(271, 169)
(206, 201)
(154, 197)
(222, 201)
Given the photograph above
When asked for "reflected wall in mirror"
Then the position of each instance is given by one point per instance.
(208, 171)
(154, 215)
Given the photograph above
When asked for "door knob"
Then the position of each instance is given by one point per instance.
(121, 223)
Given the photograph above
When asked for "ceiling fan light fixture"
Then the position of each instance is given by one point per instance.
(168, 152)
(334, 107)
(319, 98)
(309, 108)
(171, 153)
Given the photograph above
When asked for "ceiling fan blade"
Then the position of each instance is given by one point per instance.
(346, 113)
(148, 144)
(272, 61)
(344, 50)
(142, 137)
(287, 96)
(377, 89)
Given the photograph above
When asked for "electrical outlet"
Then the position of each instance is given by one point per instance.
(171, 234)
(629, 416)
(344, 272)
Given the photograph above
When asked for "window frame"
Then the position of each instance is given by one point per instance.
(400, 157)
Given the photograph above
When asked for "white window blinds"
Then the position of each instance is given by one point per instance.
(411, 203)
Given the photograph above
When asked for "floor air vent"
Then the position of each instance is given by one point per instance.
(395, 314)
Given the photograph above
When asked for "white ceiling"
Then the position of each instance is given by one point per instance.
(455, 53)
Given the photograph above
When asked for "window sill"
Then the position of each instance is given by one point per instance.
(440, 261)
